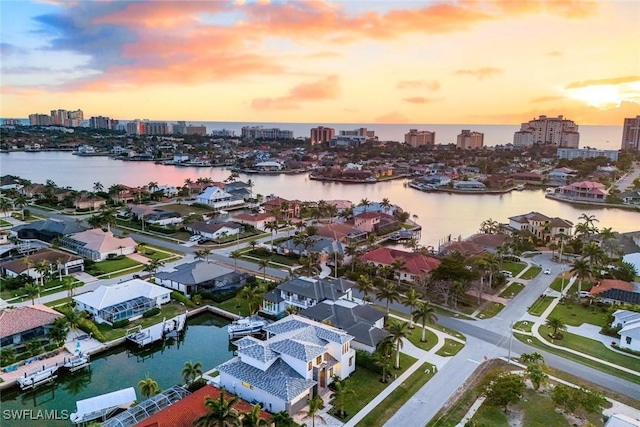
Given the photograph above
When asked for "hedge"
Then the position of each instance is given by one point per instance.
(89, 327)
(120, 323)
(367, 360)
(151, 312)
(177, 296)
(219, 297)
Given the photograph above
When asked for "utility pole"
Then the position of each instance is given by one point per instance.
(510, 341)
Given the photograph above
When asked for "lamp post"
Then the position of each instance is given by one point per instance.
(510, 341)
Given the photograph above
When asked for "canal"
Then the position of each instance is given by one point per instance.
(205, 340)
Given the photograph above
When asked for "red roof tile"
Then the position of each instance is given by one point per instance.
(607, 284)
(416, 264)
(21, 319)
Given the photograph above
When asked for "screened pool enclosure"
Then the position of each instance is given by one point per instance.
(127, 309)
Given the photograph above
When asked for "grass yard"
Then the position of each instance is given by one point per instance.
(574, 314)
(416, 334)
(450, 348)
(531, 273)
(253, 256)
(490, 416)
(58, 302)
(523, 325)
(168, 310)
(540, 305)
(389, 406)
(513, 290)
(514, 267)
(367, 385)
(110, 266)
(557, 283)
(234, 305)
(4, 223)
(155, 253)
(490, 310)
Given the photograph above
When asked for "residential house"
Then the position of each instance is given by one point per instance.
(323, 246)
(465, 247)
(215, 229)
(622, 420)
(341, 232)
(258, 220)
(629, 324)
(304, 292)
(21, 324)
(97, 244)
(375, 207)
(86, 201)
(470, 185)
(416, 267)
(298, 360)
(631, 197)
(622, 318)
(163, 218)
(587, 191)
(287, 208)
(126, 300)
(47, 229)
(201, 276)
(217, 198)
(340, 204)
(362, 321)
(56, 261)
(561, 174)
(366, 221)
(541, 226)
(127, 194)
(616, 291)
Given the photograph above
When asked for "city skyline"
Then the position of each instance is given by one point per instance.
(484, 62)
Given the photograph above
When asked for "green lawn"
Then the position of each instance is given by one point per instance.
(4, 223)
(523, 325)
(574, 314)
(416, 334)
(490, 416)
(234, 305)
(450, 348)
(109, 266)
(168, 310)
(389, 406)
(61, 301)
(540, 305)
(253, 256)
(514, 267)
(490, 310)
(531, 273)
(513, 290)
(155, 253)
(557, 283)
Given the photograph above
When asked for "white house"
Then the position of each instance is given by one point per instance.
(629, 321)
(268, 166)
(217, 198)
(126, 300)
(297, 361)
(215, 229)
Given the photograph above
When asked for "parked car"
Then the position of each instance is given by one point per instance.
(506, 273)
(195, 238)
(547, 271)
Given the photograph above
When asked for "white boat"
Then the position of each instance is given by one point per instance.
(520, 187)
(223, 212)
(550, 190)
(33, 380)
(100, 407)
(246, 326)
(76, 362)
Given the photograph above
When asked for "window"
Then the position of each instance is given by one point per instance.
(318, 360)
(309, 366)
(628, 340)
(331, 372)
(351, 361)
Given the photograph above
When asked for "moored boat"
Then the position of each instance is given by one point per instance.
(76, 362)
(37, 378)
(246, 326)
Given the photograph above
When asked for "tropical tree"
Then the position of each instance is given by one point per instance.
(398, 331)
(41, 268)
(385, 204)
(364, 203)
(283, 419)
(315, 404)
(203, 254)
(556, 324)
(235, 255)
(411, 299)
(537, 376)
(590, 221)
(263, 264)
(148, 387)
(253, 296)
(97, 186)
(58, 333)
(5, 206)
(582, 269)
(191, 371)
(341, 393)
(34, 347)
(221, 412)
(252, 418)
(425, 314)
(32, 292)
(503, 389)
(364, 285)
(153, 265)
(388, 292)
(529, 358)
(397, 265)
(489, 226)
(74, 318)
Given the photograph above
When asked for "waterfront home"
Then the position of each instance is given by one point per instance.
(97, 244)
(631, 197)
(298, 360)
(163, 218)
(215, 229)
(362, 321)
(341, 232)
(258, 220)
(340, 204)
(375, 207)
(489, 242)
(561, 174)
(615, 291)
(126, 300)
(324, 246)
(57, 261)
(467, 248)
(126, 194)
(541, 226)
(287, 208)
(435, 180)
(416, 267)
(185, 411)
(470, 185)
(374, 221)
(268, 166)
(10, 182)
(583, 191)
(47, 229)
(629, 324)
(84, 201)
(304, 292)
(21, 324)
(199, 276)
(217, 198)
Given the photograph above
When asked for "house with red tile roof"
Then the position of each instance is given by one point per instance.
(616, 291)
(188, 409)
(588, 191)
(417, 265)
(288, 208)
(255, 220)
(366, 221)
(466, 248)
(21, 324)
(341, 232)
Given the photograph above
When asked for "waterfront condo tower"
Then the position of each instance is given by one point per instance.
(417, 138)
(556, 131)
(469, 140)
(321, 134)
(631, 133)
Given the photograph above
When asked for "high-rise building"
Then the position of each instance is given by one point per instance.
(196, 130)
(352, 138)
(548, 130)
(101, 122)
(321, 134)
(416, 138)
(468, 140)
(11, 122)
(586, 153)
(135, 127)
(631, 133)
(67, 118)
(259, 132)
(155, 128)
(179, 128)
(223, 132)
(39, 119)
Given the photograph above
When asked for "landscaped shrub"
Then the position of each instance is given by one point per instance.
(160, 229)
(196, 385)
(120, 323)
(151, 312)
(177, 296)
(367, 361)
(219, 297)
(89, 327)
(50, 347)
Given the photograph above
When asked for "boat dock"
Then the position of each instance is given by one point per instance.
(45, 375)
(165, 329)
(101, 407)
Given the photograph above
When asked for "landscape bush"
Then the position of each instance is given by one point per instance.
(89, 327)
(151, 312)
(177, 296)
(219, 297)
(120, 323)
(367, 361)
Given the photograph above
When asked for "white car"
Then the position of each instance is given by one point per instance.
(506, 273)
(547, 271)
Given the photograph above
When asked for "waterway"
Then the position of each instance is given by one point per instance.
(205, 340)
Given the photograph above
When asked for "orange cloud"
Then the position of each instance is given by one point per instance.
(418, 100)
(480, 73)
(546, 99)
(393, 117)
(602, 82)
(417, 84)
(157, 14)
(317, 91)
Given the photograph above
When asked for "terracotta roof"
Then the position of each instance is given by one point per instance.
(415, 263)
(103, 241)
(488, 240)
(607, 284)
(465, 247)
(21, 319)
(185, 411)
(336, 231)
(254, 217)
(46, 255)
(369, 215)
(277, 202)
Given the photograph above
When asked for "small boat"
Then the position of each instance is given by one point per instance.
(246, 326)
(520, 187)
(37, 378)
(550, 190)
(77, 362)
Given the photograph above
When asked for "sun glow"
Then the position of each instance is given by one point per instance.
(606, 96)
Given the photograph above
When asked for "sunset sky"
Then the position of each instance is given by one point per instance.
(355, 61)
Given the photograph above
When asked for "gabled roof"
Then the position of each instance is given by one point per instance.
(47, 255)
(607, 284)
(292, 326)
(106, 296)
(415, 263)
(52, 225)
(531, 216)
(213, 226)
(21, 319)
(621, 295)
(631, 330)
(318, 244)
(317, 289)
(102, 241)
(337, 231)
(194, 273)
(214, 193)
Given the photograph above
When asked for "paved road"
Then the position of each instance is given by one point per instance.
(627, 179)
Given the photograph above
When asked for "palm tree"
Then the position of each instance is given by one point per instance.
(537, 376)
(148, 387)
(263, 264)
(191, 371)
(482, 268)
(235, 255)
(203, 254)
(385, 204)
(594, 252)
(582, 269)
(411, 299)
(283, 419)
(365, 203)
(252, 418)
(397, 265)
(382, 356)
(315, 404)
(20, 202)
(97, 186)
(153, 265)
(41, 267)
(590, 221)
(74, 318)
(556, 324)
(458, 288)
(529, 358)
(5, 206)
(398, 331)
(271, 226)
(253, 296)
(388, 292)
(425, 314)
(364, 285)
(32, 292)
(341, 394)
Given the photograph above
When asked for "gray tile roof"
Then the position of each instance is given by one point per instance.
(273, 296)
(317, 289)
(319, 244)
(297, 327)
(298, 349)
(52, 225)
(260, 351)
(279, 380)
(194, 273)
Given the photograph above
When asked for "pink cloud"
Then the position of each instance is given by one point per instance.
(317, 91)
